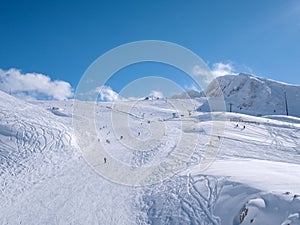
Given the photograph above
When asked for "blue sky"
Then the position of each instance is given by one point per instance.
(60, 39)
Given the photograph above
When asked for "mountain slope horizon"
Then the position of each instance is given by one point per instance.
(253, 95)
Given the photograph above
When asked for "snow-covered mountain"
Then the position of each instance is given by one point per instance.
(252, 95)
(44, 178)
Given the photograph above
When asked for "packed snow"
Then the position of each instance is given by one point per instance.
(251, 173)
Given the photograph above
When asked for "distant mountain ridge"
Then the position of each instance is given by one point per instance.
(189, 94)
(253, 95)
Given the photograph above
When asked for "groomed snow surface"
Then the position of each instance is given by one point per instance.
(44, 178)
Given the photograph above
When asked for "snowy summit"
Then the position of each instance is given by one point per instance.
(252, 95)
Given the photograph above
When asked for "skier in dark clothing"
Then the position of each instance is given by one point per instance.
(104, 159)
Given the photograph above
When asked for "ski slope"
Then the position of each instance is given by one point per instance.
(253, 178)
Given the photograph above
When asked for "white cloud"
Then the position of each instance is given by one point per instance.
(107, 94)
(33, 85)
(217, 69)
(221, 69)
(156, 94)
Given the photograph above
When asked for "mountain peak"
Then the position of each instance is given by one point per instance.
(253, 95)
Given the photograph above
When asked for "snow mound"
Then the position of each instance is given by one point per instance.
(58, 112)
(258, 202)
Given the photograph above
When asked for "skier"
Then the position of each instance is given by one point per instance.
(104, 159)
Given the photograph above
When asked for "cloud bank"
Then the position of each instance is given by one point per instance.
(33, 85)
(107, 94)
(221, 69)
(217, 69)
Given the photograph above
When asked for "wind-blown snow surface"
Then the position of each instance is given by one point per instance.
(45, 180)
(254, 95)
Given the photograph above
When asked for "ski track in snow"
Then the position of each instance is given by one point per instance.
(183, 200)
(45, 180)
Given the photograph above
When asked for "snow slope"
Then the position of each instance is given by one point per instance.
(44, 179)
(254, 95)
